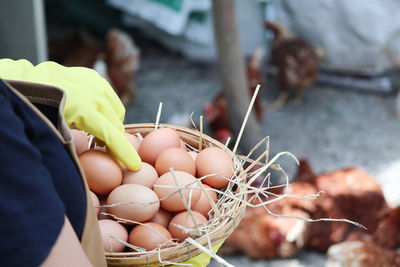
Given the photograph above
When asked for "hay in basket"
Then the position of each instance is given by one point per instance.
(226, 213)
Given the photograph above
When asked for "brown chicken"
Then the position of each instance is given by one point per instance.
(296, 60)
(350, 194)
(117, 60)
(378, 249)
(387, 233)
(122, 59)
(362, 254)
(261, 235)
(216, 112)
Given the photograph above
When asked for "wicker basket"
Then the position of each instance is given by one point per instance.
(185, 250)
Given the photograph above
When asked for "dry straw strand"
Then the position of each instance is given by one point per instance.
(201, 134)
(158, 116)
(246, 118)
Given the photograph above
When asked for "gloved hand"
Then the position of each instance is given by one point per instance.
(201, 260)
(91, 103)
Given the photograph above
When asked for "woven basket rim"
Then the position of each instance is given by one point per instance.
(224, 228)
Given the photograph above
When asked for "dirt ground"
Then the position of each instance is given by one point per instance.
(332, 127)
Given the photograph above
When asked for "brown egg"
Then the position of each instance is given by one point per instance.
(109, 229)
(170, 198)
(155, 142)
(146, 176)
(137, 202)
(81, 141)
(96, 202)
(184, 219)
(134, 140)
(162, 217)
(203, 205)
(214, 160)
(102, 173)
(176, 158)
(193, 154)
(183, 145)
(149, 236)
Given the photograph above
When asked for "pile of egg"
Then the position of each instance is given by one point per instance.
(146, 206)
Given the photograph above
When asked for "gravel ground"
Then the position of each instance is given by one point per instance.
(333, 128)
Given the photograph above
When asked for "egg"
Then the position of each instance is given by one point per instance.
(103, 209)
(146, 176)
(214, 160)
(110, 229)
(193, 154)
(96, 202)
(135, 202)
(183, 146)
(134, 140)
(81, 141)
(155, 142)
(203, 205)
(170, 198)
(102, 173)
(162, 217)
(178, 159)
(149, 236)
(184, 219)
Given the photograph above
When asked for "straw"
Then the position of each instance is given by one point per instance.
(158, 116)
(246, 118)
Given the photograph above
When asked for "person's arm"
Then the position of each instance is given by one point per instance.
(91, 103)
(67, 251)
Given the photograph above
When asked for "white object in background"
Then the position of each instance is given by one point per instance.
(187, 25)
(360, 37)
(170, 16)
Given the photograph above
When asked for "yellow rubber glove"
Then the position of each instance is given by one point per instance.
(201, 260)
(91, 103)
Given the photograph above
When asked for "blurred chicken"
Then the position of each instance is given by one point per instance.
(361, 254)
(296, 60)
(378, 249)
(387, 233)
(264, 236)
(349, 193)
(216, 112)
(122, 59)
(117, 60)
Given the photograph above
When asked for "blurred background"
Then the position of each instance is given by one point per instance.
(329, 73)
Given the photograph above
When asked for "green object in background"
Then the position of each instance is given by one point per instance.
(175, 5)
(198, 17)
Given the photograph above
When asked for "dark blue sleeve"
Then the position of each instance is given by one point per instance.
(31, 212)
